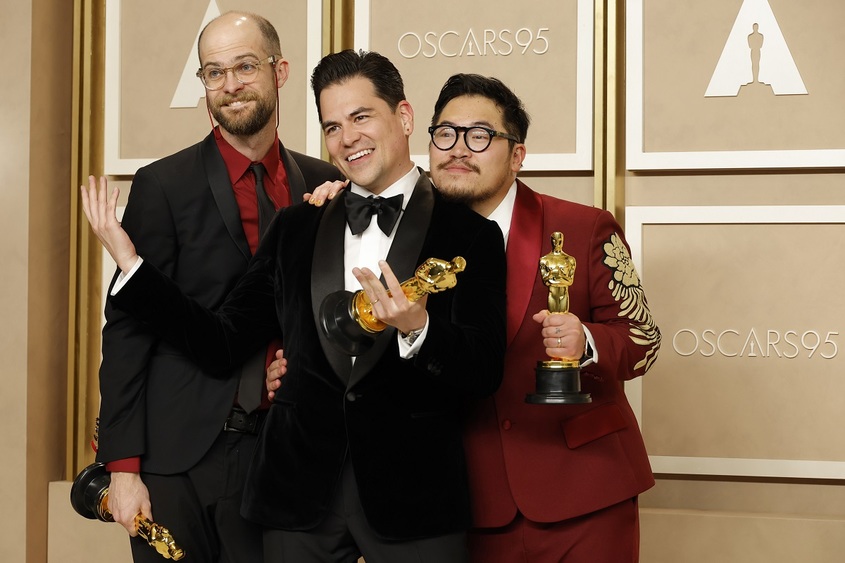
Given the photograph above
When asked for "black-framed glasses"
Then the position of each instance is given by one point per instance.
(246, 71)
(476, 138)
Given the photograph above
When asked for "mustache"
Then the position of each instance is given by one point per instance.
(461, 163)
(242, 97)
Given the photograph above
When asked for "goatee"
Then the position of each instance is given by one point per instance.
(244, 123)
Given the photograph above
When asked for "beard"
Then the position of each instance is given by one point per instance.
(244, 123)
(461, 191)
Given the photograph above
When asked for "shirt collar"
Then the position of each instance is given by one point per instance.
(503, 212)
(404, 185)
(237, 164)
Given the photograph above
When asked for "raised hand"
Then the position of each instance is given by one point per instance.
(390, 304)
(99, 207)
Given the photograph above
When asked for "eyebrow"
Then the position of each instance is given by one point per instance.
(237, 59)
(474, 124)
(353, 113)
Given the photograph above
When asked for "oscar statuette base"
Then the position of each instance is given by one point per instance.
(558, 382)
(89, 497)
(339, 322)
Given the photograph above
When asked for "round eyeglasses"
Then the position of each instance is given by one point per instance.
(245, 72)
(477, 138)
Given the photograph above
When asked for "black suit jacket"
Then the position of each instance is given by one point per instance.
(398, 420)
(183, 217)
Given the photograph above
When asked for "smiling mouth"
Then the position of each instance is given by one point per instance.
(237, 104)
(358, 155)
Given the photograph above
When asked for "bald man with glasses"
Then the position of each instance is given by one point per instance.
(176, 439)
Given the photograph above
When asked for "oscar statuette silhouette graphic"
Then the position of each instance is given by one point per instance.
(89, 496)
(558, 380)
(347, 318)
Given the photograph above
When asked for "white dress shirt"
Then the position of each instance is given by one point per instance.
(367, 248)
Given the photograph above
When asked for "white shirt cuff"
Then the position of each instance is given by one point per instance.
(123, 278)
(410, 350)
(590, 349)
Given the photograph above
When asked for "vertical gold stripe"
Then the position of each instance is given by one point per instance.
(614, 113)
(84, 287)
(338, 32)
(608, 100)
(599, 98)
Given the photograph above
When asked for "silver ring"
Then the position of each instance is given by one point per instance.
(558, 343)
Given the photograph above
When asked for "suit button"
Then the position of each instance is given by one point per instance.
(506, 424)
(351, 396)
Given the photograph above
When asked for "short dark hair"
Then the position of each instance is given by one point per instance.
(513, 110)
(338, 68)
(268, 33)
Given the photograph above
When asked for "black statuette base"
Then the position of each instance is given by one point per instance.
(558, 382)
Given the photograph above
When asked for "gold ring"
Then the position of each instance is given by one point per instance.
(558, 343)
(376, 301)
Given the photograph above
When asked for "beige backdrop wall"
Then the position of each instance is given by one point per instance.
(15, 39)
(684, 150)
(735, 188)
(35, 214)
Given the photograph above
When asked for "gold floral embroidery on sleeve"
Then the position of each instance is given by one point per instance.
(628, 292)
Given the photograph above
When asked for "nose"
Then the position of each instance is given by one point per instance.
(460, 149)
(231, 82)
(349, 135)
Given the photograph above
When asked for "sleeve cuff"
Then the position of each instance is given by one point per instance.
(126, 465)
(591, 355)
(410, 344)
(123, 278)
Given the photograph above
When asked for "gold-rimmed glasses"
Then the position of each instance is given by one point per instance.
(245, 72)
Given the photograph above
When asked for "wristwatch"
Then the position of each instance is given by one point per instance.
(412, 336)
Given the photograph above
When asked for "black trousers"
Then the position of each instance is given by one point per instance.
(201, 508)
(345, 535)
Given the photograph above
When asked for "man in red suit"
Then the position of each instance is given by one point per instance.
(549, 483)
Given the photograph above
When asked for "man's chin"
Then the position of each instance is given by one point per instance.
(460, 195)
(241, 127)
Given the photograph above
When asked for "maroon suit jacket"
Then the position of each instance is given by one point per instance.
(555, 462)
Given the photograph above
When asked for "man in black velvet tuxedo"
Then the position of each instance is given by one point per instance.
(195, 216)
(360, 457)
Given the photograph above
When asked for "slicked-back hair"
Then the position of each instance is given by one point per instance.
(341, 67)
(268, 33)
(513, 111)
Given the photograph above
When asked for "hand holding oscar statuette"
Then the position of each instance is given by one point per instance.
(347, 318)
(558, 380)
(89, 497)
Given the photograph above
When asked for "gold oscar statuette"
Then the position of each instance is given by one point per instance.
(347, 318)
(89, 496)
(558, 380)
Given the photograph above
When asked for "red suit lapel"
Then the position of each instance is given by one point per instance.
(524, 243)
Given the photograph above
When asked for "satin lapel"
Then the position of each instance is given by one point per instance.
(327, 275)
(221, 189)
(524, 245)
(296, 180)
(403, 257)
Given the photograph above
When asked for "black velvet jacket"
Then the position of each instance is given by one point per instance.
(398, 420)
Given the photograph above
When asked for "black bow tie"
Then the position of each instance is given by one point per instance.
(360, 209)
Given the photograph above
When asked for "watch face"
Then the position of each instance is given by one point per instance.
(412, 336)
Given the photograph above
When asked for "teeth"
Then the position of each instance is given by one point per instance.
(358, 155)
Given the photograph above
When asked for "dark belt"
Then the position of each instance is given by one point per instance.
(240, 421)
